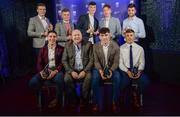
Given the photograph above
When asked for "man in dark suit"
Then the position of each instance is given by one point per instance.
(50, 57)
(88, 24)
(77, 60)
(38, 28)
(106, 60)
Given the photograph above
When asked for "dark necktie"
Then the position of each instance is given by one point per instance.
(131, 57)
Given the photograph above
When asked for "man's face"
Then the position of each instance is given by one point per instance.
(66, 16)
(41, 10)
(107, 12)
(76, 36)
(92, 9)
(129, 37)
(52, 37)
(131, 11)
(105, 38)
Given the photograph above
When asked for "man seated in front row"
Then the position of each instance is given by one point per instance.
(49, 67)
(77, 60)
(106, 60)
(132, 63)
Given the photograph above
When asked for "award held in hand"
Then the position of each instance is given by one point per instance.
(45, 71)
(106, 71)
(91, 28)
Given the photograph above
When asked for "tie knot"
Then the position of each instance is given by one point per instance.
(130, 46)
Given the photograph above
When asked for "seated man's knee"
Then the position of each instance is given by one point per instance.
(35, 81)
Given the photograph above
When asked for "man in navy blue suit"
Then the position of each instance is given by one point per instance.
(88, 24)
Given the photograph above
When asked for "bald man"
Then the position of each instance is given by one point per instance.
(78, 61)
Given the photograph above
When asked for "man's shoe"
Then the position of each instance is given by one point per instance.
(53, 103)
(95, 108)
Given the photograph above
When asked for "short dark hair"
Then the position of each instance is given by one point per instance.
(65, 10)
(52, 31)
(40, 4)
(107, 5)
(104, 30)
(92, 3)
(131, 5)
(129, 31)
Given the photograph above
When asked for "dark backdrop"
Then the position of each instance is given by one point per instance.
(162, 44)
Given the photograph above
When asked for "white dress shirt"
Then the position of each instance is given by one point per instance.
(107, 22)
(51, 57)
(78, 58)
(105, 51)
(137, 25)
(44, 22)
(91, 20)
(138, 57)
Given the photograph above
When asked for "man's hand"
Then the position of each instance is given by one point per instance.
(138, 75)
(52, 74)
(82, 74)
(110, 75)
(102, 74)
(69, 37)
(44, 75)
(130, 74)
(96, 33)
(74, 75)
(50, 27)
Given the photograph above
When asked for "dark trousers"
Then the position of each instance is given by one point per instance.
(96, 84)
(71, 85)
(37, 82)
(142, 81)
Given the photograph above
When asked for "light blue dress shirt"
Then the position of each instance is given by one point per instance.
(137, 25)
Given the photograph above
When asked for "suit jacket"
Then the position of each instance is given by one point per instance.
(35, 28)
(43, 58)
(62, 33)
(68, 58)
(114, 26)
(112, 57)
(83, 25)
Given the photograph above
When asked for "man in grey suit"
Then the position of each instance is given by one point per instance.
(110, 22)
(64, 28)
(106, 60)
(38, 28)
(77, 60)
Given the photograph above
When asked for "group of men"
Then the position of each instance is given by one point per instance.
(73, 55)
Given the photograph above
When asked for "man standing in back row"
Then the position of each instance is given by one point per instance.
(110, 22)
(134, 23)
(88, 24)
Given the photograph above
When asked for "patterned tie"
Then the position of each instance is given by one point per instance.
(131, 57)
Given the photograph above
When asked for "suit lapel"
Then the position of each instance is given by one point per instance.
(95, 23)
(109, 50)
(101, 53)
(39, 20)
(82, 49)
(63, 25)
(110, 22)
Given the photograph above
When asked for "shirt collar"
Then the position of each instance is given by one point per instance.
(76, 46)
(106, 45)
(49, 47)
(132, 18)
(91, 15)
(66, 22)
(42, 18)
(128, 45)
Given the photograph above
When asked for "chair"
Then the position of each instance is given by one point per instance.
(135, 93)
(47, 86)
